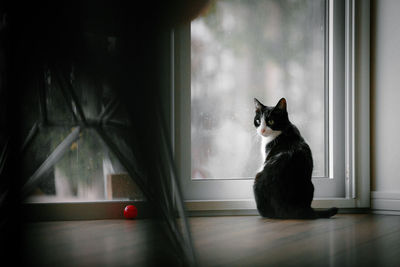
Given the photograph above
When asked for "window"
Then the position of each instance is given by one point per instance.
(67, 157)
(238, 50)
(246, 49)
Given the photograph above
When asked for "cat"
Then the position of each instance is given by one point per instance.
(283, 188)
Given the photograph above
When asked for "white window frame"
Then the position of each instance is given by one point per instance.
(355, 77)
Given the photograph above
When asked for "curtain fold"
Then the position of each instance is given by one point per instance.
(96, 45)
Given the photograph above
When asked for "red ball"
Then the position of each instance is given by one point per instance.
(130, 212)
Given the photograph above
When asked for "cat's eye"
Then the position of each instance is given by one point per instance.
(258, 121)
(270, 122)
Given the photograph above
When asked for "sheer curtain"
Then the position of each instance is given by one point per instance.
(83, 49)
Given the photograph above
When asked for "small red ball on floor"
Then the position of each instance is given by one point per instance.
(130, 212)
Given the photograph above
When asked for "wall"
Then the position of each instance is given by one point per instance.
(385, 105)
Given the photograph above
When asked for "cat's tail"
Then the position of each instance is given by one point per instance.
(325, 213)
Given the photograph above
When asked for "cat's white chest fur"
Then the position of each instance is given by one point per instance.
(264, 141)
(267, 135)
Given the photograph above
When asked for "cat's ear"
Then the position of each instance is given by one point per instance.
(281, 104)
(257, 104)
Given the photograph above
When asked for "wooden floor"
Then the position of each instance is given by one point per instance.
(344, 240)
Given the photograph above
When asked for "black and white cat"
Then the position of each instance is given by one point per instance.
(283, 188)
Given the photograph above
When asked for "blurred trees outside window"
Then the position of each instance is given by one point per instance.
(266, 49)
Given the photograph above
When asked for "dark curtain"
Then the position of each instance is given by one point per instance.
(39, 39)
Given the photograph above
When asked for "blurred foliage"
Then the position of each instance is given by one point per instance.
(258, 48)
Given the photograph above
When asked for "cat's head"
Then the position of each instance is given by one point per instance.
(270, 121)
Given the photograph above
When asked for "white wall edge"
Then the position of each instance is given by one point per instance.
(392, 195)
(385, 202)
(386, 212)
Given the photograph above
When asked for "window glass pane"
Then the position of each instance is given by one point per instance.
(89, 171)
(245, 49)
(58, 102)
(40, 148)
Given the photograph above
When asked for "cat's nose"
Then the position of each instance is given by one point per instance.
(262, 131)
